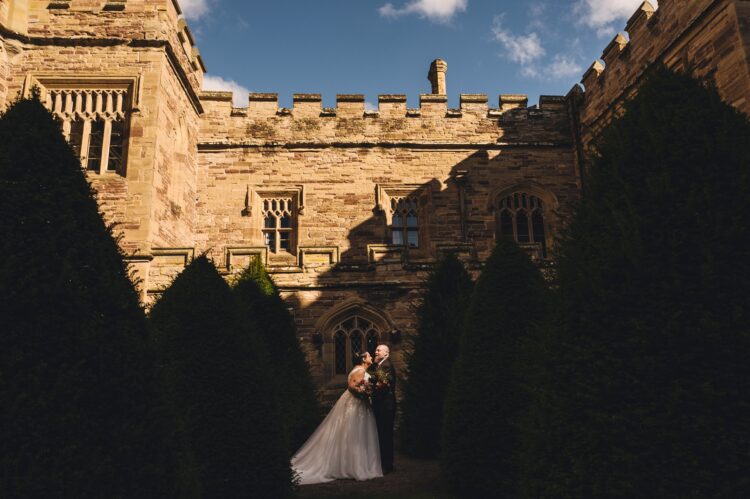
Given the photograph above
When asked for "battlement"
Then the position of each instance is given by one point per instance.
(93, 25)
(626, 51)
(265, 105)
(106, 21)
(84, 18)
(676, 34)
(433, 106)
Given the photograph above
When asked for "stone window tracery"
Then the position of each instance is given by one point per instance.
(351, 336)
(404, 221)
(520, 216)
(278, 223)
(94, 123)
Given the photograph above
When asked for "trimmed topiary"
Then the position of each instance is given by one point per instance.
(487, 399)
(430, 361)
(650, 374)
(81, 412)
(216, 376)
(259, 299)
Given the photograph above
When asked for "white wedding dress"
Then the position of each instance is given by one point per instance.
(345, 445)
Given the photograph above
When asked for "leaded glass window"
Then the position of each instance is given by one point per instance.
(351, 336)
(96, 140)
(339, 341)
(521, 217)
(93, 121)
(278, 224)
(404, 222)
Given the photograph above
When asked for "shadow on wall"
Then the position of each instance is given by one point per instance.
(370, 296)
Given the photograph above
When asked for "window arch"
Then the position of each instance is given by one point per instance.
(404, 226)
(278, 223)
(520, 216)
(351, 336)
(351, 326)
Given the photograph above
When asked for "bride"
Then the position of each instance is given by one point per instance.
(345, 445)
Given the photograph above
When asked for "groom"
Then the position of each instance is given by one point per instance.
(384, 405)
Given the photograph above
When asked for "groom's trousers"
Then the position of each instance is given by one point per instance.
(384, 418)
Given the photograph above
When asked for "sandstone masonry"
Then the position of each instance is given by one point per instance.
(348, 208)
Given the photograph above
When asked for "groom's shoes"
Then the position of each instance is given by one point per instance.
(387, 470)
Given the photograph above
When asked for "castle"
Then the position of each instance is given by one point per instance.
(348, 208)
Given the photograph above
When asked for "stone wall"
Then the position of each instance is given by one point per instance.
(198, 169)
(14, 14)
(709, 38)
(347, 162)
(5, 70)
(93, 43)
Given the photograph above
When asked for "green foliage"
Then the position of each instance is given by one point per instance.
(433, 351)
(216, 376)
(259, 300)
(487, 400)
(81, 413)
(648, 372)
(256, 272)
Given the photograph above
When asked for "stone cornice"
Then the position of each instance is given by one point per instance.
(219, 146)
(175, 64)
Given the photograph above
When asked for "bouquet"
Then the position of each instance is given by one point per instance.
(362, 390)
(380, 380)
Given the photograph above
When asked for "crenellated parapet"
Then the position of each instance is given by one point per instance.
(697, 35)
(351, 121)
(263, 105)
(107, 25)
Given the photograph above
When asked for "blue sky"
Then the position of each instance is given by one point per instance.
(536, 47)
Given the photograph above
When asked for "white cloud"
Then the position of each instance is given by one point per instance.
(522, 49)
(537, 9)
(441, 11)
(217, 83)
(602, 14)
(193, 9)
(562, 67)
(369, 106)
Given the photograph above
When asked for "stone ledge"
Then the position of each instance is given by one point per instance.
(263, 97)
(436, 98)
(474, 99)
(500, 144)
(350, 98)
(392, 98)
(216, 96)
(307, 98)
(330, 253)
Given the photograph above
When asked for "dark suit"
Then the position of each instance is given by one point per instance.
(384, 407)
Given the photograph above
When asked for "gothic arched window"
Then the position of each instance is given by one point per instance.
(404, 222)
(352, 336)
(278, 224)
(520, 216)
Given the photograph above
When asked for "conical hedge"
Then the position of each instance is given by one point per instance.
(487, 400)
(216, 376)
(651, 362)
(259, 299)
(433, 352)
(81, 415)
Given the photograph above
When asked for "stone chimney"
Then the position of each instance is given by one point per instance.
(438, 68)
